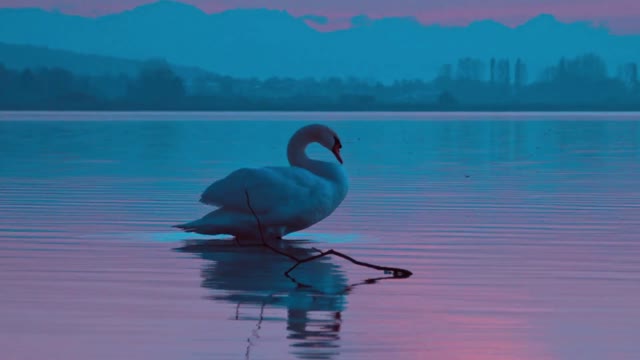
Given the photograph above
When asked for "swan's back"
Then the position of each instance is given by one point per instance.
(269, 188)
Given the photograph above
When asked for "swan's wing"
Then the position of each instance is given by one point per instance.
(269, 188)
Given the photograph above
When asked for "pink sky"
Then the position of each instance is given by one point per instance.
(622, 16)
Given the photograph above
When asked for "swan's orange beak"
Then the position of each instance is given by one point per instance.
(336, 151)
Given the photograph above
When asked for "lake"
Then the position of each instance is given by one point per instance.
(521, 231)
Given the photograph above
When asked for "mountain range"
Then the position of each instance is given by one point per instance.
(33, 57)
(263, 43)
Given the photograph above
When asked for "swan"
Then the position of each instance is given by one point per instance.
(285, 198)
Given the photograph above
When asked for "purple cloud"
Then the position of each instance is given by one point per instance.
(619, 15)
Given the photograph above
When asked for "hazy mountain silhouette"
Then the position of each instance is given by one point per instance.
(33, 57)
(266, 43)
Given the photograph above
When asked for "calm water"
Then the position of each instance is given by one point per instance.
(522, 233)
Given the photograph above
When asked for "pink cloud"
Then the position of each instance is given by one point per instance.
(620, 15)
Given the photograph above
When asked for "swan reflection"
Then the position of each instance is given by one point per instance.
(252, 278)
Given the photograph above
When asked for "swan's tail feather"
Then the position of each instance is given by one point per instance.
(220, 222)
(200, 227)
(197, 230)
(188, 227)
(182, 226)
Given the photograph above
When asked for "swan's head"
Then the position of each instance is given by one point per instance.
(319, 133)
(329, 139)
(335, 147)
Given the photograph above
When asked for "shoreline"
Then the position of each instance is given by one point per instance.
(140, 115)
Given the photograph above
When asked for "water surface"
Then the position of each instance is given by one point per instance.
(521, 232)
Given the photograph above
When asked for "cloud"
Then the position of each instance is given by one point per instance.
(317, 19)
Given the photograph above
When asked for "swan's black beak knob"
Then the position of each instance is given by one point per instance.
(336, 151)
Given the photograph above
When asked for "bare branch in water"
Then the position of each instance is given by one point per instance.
(254, 333)
(397, 273)
(262, 238)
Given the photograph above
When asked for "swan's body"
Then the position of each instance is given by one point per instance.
(285, 199)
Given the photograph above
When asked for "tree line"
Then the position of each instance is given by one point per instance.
(580, 83)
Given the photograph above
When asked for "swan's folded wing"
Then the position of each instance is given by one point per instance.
(268, 189)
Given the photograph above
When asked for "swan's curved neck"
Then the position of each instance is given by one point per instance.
(296, 150)
(296, 153)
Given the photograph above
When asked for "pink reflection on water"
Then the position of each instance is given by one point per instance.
(506, 267)
(502, 276)
(103, 301)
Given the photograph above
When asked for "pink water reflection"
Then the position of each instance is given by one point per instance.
(533, 256)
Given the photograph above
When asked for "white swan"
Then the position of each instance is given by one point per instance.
(286, 199)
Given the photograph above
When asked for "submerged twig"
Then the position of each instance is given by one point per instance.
(262, 238)
(254, 332)
(397, 273)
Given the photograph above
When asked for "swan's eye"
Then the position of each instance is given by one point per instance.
(337, 143)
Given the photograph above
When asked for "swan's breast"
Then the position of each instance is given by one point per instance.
(313, 196)
(324, 199)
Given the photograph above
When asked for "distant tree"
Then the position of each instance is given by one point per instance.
(56, 81)
(202, 85)
(5, 86)
(561, 71)
(580, 81)
(503, 73)
(492, 70)
(4, 77)
(446, 72)
(444, 79)
(158, 85)
(447, 100)
(470, 69)
(27, 81)
(628, 74)
(227, 85)
(520, 74)
(587, 67)
(548, 74)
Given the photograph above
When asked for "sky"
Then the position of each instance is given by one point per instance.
(621, 16)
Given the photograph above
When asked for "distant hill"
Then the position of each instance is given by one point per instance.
(264, 43)
(28, 56)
